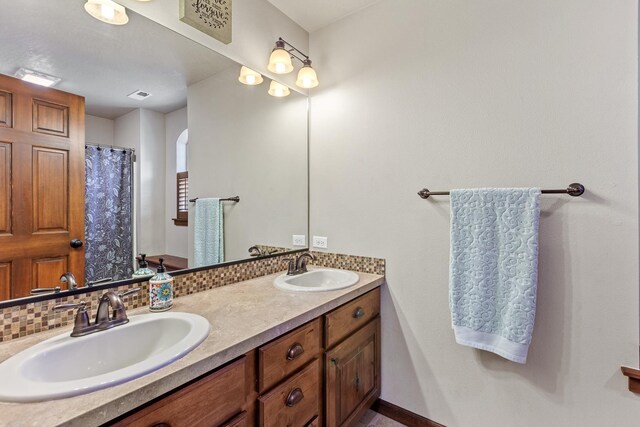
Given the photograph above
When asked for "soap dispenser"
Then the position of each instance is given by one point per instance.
(143, 270)
(161, 290)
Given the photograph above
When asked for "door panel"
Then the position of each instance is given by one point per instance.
(5, 109)
(46, 268)
(50, 204)
(5, 188)
(41, 186)
(50, 118)
(5, 280)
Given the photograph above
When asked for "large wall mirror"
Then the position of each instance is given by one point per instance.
(190, 130)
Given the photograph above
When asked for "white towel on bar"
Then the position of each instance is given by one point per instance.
(494, 268)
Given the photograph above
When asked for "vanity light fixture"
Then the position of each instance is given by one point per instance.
(107, 11)
(278, 89)
(250, 77)
(280, 63)
(37, 77)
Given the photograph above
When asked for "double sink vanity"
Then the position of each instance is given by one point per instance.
(277, 350)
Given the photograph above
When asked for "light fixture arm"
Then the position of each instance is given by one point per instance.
(281, 43)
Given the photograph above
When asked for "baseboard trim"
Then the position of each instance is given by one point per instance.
(402, 415)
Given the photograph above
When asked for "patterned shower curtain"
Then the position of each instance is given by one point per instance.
(108, 213)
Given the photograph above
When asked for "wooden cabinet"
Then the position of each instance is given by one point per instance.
(352, 378)
(290, 378)
(295, 402)
(288, 381)
(217, 399)
(351, 316)
(285, 355)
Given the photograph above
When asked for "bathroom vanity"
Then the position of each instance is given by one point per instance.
(272, 358)
(281, 383)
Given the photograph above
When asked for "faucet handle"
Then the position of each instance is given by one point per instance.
(82, 305)
(38, 291)
(129, 292)
(291, 265)
(81, 324)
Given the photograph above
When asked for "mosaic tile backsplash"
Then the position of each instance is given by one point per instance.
(22, 320)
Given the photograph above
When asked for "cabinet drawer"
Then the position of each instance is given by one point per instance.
(286, 354)
(345, 319)
(295, 402)
(208, 402)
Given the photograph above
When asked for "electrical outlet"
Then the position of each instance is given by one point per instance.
(299, 240)
(319, 242)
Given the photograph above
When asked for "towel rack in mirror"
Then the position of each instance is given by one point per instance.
(228, 199)
(576, 189)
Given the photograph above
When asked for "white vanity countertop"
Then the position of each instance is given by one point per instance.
(243, 316)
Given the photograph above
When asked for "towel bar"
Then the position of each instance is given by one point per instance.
(576, 189)
(228, 199)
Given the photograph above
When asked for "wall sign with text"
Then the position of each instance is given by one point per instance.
(212, 17)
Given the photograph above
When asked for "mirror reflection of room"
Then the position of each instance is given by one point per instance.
(151, 130)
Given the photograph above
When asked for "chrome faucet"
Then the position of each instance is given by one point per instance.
(299, 265)
(109, 300)
(70, 280)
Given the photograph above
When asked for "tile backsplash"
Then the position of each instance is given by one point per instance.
(26, 319)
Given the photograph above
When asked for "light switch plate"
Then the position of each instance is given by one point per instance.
(319, 242)
(299, 240)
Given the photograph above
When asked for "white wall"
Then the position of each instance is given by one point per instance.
(448, 94)
(257, 24)
(143, 130)
(151, 227)
(245, 142)
(99, 130)
(176, 236)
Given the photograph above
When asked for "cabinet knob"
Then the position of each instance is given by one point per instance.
(294, 351)
(294, 397)
(76, 243)
(358, 313)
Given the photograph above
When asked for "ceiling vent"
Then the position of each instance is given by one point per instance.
(139, 95)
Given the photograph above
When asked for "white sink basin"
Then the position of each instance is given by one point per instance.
(317, 280)
(63, 366)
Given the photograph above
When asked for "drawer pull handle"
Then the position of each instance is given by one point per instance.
(358, 313)
(162, 425)
(294, 351)
(294, 397)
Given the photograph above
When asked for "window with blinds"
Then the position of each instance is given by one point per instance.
(182, 215)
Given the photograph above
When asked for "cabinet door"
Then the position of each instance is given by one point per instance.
(353, 376)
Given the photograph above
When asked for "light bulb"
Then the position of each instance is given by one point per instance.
(307, 77)
(107, 11)
(249, 77)
(278, 90)
(280, 62)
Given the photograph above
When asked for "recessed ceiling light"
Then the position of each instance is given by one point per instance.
(107, 11)
(37, 77)
(139, 95)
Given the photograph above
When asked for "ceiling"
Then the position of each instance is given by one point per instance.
(315, 14)
(104, 63)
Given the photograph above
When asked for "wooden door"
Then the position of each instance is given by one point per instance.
(41, 186)
(353, 376)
